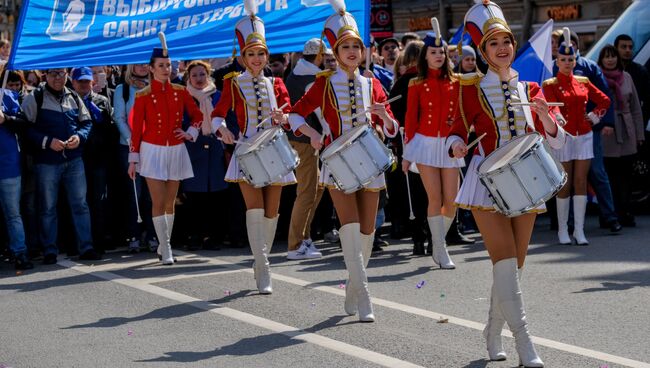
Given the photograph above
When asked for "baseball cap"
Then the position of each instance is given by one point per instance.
(313, 46)
(83, 73)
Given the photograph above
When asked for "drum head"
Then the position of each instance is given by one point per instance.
(256, 141)
(347, 137)
(509, 152)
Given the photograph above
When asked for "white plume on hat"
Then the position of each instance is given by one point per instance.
(338, 5)
(250, 7)
(436, 29)
(567, 36)
(163, 41)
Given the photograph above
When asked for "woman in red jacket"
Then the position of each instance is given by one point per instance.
(432, 104)
(576, 155)
(253, 97)
(340, 95)
(486, 103)
(158, 151)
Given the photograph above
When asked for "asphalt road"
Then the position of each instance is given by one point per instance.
(587, 307)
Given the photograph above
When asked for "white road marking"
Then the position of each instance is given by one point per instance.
(233, 267)
(292, 332)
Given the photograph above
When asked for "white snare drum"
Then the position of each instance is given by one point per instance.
(356, 158)
(267, 157)
(522, 174)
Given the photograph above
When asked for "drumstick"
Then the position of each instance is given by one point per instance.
(137, 205)
(268, 117)
(236, 141)
(408, 185)
(383, 103)
(550, 104)
(475, 142)
(322, 139)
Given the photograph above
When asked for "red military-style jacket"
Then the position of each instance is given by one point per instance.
(332, 92)
(484, 103)
(575, 92)
(431, 107)
(240, 95)
(158, 111)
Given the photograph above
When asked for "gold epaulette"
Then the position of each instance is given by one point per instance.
(416, 81)
(549, 82)
(143, 92)
(581, 79)
(177, 86)
(469, 78)
(325, 73)
(231, 75)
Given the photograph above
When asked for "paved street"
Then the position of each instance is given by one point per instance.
(587, 307)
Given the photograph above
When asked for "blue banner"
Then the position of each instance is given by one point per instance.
(70, 33)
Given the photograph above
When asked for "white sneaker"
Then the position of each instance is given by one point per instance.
(332, 236)
(301, 253)
(313, 251)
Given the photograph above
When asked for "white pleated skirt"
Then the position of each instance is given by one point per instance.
(579, 147)
(164, 162)
(327, 181)
(235, 175)
(430, 151)
(473, 195)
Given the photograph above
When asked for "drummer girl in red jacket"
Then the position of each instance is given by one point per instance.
(254, 97)
(486, 102)
(157, 149)
(431, 107)
(576, 155)
(340, 95)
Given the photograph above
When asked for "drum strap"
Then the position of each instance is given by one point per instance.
(523, 97)
(366, 93)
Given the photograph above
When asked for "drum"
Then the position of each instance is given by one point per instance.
(267, 157)
(356, 158)
(522, 174)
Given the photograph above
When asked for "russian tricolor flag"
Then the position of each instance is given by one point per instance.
(534, 61)
(467, 40)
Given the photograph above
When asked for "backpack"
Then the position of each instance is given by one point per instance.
(38, 96)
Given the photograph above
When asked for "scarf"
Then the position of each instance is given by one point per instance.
(204, 96)
(615, 82)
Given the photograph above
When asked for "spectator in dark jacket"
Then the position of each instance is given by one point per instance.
(60, 127)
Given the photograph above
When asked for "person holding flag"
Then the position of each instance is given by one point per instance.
(252, 95)
(576, 154)
(486, 103)
(340, 95)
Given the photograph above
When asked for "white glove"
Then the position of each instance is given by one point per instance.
(593, 117)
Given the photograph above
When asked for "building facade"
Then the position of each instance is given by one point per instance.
(589, 18)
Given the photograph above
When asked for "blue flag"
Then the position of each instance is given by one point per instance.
(70, 33)
(467, 40)
(534, 61)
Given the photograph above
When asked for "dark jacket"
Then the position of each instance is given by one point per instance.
(9, 149)
(104, 136)
(641, 80)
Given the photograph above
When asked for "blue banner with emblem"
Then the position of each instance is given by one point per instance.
(70, 33)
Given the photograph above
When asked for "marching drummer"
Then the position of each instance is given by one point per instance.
(254, 98)
(157, 149)
(342, 95)
(488, 103)
(576, 155)
(431, 106)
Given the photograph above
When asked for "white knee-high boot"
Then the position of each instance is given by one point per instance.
(579, 209)
(350, 293)
(353, 256)
(510, 301)
(439, 254)
(257, 240)
(563, 206)
(493, 328)
(270, 225)
(160, 225)
(447, 221)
